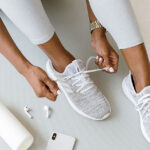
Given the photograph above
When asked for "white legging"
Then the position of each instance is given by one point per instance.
(118, 18)
(30, 17)
(115, 15)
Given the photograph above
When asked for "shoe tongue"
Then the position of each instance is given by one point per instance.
(76, 66)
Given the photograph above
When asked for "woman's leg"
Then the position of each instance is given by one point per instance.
(30, 17)
(138, 62)
(57, 53)
(118, 19)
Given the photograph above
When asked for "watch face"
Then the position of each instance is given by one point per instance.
(94, 25)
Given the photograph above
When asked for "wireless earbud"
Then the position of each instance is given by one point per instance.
(27, 110)
(48, 111)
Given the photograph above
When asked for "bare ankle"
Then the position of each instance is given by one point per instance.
(140, 82)
(60, 65)
(59, 68)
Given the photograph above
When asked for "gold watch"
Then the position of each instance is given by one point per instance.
(95, 25)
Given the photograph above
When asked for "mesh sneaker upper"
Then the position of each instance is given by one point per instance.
(89, 99)
(142, 103)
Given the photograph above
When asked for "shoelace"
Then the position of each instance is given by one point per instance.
(77, 77)
(143, 106)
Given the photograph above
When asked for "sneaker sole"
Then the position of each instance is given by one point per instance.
(127, 94)
(69, 100)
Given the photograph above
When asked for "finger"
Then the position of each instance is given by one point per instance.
(103, 64)
(51, 85)
(54, 88)
(107, 61)
(108, 65)
(115, 62)
(96, 60)
(99, 60)
(115, 66)
(48, 94)
(107, 69)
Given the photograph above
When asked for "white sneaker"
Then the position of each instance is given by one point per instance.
(141, 101)
(80, 91)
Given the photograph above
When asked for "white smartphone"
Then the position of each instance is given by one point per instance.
(60, 141)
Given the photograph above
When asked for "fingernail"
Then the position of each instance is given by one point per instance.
(96, 57)
(111, 69)
(58, 92)
(100, 59)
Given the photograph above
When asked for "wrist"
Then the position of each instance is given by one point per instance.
(25, 69)
(100, 32)
(99, 41)
(96, 25)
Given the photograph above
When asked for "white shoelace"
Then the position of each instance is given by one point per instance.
(79, 76)
(143, 106)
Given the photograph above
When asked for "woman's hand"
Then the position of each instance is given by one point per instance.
(42, 85)
(38, 79)
(106, 55)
